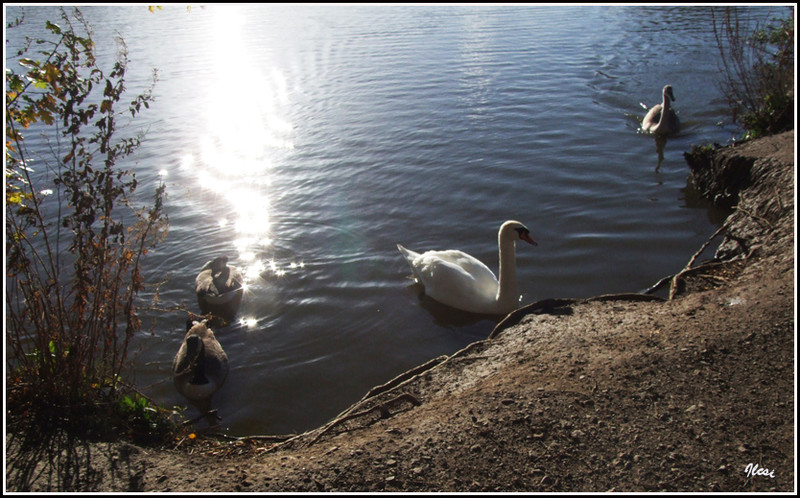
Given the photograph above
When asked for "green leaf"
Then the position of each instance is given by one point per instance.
(127, 402)
(52, 72)
(46, 117)
(54, 28)
(28, 63)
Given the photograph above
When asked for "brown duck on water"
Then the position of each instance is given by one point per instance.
(219, 288)
(200, 367)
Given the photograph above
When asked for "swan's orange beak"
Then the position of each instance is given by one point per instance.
(527, 238)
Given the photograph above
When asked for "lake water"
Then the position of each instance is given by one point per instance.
(306, 141)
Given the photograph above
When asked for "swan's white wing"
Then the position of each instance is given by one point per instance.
(462, 263)
(457, 279)
(652, 117)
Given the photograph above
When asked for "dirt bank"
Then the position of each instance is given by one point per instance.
(625, 393)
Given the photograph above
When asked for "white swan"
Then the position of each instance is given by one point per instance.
(459, 280)
(200, 367)
(661, 118)
(219, 288)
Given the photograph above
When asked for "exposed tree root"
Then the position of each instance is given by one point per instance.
(381, 409)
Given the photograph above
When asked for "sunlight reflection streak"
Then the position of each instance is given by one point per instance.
(246, 125)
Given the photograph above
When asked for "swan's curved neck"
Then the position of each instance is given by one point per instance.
(665, 105)
(507, 281)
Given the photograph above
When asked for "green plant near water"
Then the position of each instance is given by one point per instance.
(74, 241)
(757, 70)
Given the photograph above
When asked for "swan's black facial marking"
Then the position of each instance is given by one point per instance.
(525, 234)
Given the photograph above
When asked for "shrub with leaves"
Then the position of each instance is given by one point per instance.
(757, 68)
(74, 242)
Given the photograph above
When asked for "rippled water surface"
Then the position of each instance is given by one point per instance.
(305, 142)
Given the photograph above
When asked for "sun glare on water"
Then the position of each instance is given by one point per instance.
(245, 128)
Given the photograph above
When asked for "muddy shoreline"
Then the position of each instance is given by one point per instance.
(623, 392)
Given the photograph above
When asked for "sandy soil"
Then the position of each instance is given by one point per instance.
(624, 393)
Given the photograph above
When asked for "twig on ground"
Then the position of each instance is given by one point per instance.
(673, 290)
(755, 216)
(383, 408)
